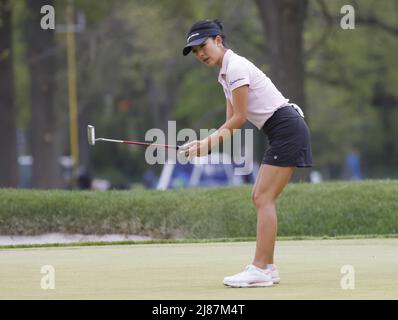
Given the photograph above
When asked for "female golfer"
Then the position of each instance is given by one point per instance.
(250, 95)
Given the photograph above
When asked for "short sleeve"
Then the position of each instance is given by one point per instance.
(237, 76)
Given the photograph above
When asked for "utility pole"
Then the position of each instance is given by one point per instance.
(72, 87)
(71, 28)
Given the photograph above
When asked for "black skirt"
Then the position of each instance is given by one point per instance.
(289, 139)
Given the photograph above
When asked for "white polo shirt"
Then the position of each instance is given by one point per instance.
(263, 97)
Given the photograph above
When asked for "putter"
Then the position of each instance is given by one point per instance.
(92, 139)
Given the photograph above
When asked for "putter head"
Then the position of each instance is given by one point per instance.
(91, 135)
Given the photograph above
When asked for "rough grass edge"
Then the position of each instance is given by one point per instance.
(188, 241)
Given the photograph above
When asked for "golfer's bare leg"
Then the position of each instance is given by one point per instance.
(269, 184)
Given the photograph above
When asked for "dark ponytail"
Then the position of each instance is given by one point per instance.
(202, 30)
(220, 26)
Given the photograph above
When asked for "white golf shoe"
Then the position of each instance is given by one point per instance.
(252, 276)
(274, 274)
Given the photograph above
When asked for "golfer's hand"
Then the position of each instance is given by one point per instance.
(195, 149)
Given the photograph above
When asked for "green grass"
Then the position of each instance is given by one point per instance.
(309, 269)
(328, 209)
(184, 241)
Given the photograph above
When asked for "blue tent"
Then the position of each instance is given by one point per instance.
(204, 173)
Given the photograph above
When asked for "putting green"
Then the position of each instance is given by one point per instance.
(309, 270)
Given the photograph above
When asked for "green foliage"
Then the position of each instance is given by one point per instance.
(342, 76)
(328, 209)
(132, 77)
(21, 72)
(94, 13)
(198, 99)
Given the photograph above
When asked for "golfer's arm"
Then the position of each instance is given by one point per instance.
(230, 111)
(236, 116)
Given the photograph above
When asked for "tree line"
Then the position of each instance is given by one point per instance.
(132, 77)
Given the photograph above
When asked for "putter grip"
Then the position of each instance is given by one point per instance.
(187, 153)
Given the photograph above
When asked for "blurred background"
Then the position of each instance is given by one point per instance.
(117, 64)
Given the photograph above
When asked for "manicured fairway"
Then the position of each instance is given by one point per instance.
(310, 269)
